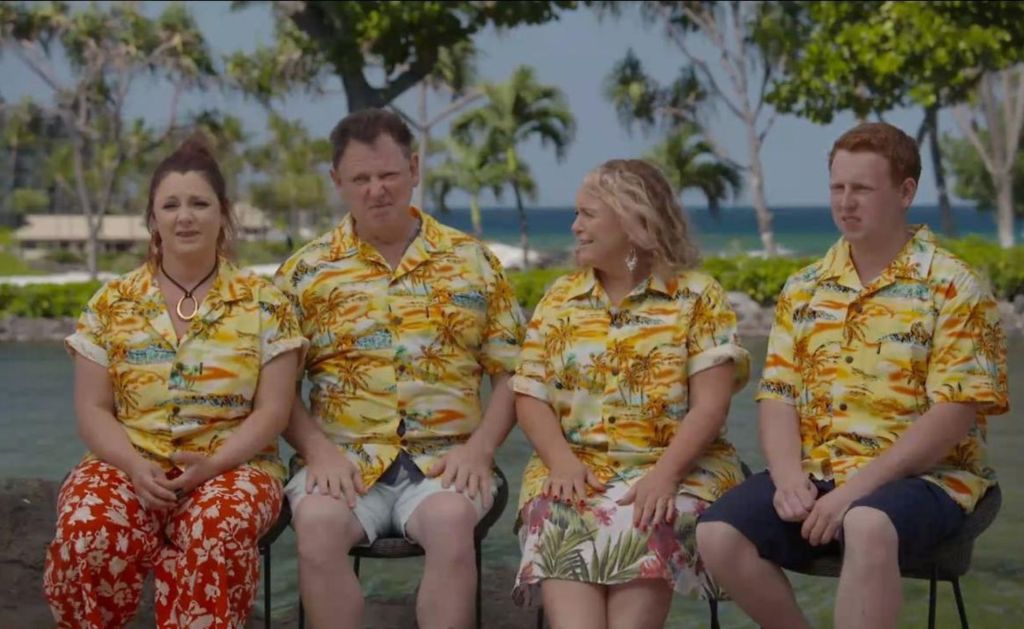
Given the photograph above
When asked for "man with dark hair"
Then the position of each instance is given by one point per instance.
(885, 358)
(404, 316)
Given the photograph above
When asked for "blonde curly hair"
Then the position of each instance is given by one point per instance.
(650, 213)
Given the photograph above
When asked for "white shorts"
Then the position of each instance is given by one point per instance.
(386, 508)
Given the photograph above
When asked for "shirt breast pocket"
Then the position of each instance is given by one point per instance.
(463, 318)
(902, 357)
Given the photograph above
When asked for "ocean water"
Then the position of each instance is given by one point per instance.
(802, 230)
(38, 439)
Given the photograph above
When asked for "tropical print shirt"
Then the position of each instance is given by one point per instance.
(186, 395)
(397, 356)
(617, 376)
(862, 363)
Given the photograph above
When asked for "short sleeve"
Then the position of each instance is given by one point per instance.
(279, 327)
(530, 373)
(712, 338)
(505, 327)
(968, 359)
(88, 339)
(781, 379)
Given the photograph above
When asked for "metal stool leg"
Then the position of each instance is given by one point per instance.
(960, 607)
(540, 617)
(266, 587)
(713, 604)
(302, 614)
(479, 583)
(931, 599)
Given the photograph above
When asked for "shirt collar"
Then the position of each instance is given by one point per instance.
(913, 262)
(431, 237)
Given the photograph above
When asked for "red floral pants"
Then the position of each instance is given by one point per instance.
(203, 552)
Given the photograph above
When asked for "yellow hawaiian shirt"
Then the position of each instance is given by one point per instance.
(186, 395)
(397, 356)
(617, 377)
(861, 363)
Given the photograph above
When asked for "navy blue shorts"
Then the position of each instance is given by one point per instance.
(921, 512)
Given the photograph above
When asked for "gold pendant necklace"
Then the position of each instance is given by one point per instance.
(188, 294)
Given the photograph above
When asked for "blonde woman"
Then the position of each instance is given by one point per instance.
(623, 388)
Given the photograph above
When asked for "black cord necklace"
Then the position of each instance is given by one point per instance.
(188, 293)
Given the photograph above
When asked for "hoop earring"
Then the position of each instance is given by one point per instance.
(632, 260)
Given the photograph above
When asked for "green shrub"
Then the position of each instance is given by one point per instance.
(762, 279)
(1003, 267)
(531, 285)
(45, 300)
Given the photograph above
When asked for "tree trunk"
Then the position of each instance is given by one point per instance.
(474, 215)
(1004, 208)
(358, 93)
(93, 224)
(764, 215)
(524, 238)
(424, 130)
(948, 224)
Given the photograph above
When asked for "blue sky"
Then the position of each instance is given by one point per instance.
(575, 53)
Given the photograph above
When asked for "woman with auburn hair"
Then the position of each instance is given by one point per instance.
(184, 378)
(623, 388)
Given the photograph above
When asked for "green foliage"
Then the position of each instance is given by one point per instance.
(404, 39)
(689, 162)
(45, 300)
(29, 200)
(760, 278)
(973, 181)
(531, 285)
(870, 57)
(1004, 268)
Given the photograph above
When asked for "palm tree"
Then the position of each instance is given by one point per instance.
(455, 75)
(291, 163)
(517, 111)
(689, 162)
(465, 168)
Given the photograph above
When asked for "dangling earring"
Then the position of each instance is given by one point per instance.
(631, 260)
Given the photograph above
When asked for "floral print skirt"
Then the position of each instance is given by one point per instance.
(598, 543)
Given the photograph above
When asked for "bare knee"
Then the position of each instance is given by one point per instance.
(325, 530)
(869, 537)
(444, 525)
(720, 541)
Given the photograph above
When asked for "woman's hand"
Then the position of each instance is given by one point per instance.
(198, 468)
(151, 485)
(568, 479)
(653, 498)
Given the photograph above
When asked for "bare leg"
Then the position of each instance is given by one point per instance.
(326, 530)
(574, 605)
(870, 591)
(443, 524)
(640, 604)
(758, 586)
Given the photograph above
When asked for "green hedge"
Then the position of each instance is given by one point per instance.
(45, 300)
(762, 279)
(1003, 267)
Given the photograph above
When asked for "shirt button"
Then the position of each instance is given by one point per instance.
(842, 406)
(857, 308)
(175, 410)
(849, 359)
(615, 371)
(612, 419)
